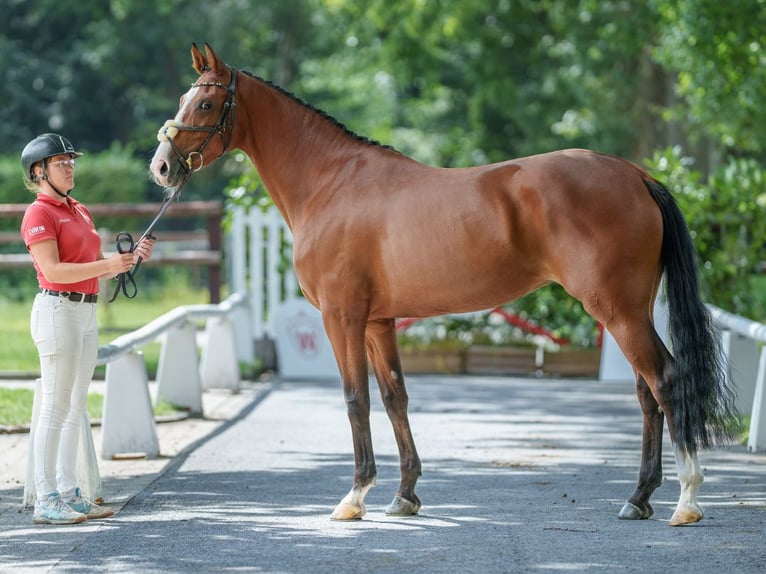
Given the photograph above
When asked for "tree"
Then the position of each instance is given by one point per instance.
(718, 50)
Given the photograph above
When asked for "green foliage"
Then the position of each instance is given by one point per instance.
(718, 50)
(12, 188)
(725, 219)
(551, 307)
(111, 176)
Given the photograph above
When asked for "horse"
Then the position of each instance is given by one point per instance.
(378, 236)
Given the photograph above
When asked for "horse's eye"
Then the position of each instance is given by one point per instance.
(205, 106)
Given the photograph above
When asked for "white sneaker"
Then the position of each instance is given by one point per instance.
(80, 504)
(53, 510)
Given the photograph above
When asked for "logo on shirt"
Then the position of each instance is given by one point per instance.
(37, 229)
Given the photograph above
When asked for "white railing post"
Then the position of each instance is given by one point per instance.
(178, 378)
(757, 437)
(741, 354)
(128, 425)
(219, 367)
(30, 494)
(753, 399)
(244, 338)
(88, 475)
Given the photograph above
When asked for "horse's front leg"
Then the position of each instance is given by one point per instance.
(347, 339)
(650, 474)
(384, 356)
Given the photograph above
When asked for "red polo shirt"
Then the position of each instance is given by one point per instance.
(70, 225)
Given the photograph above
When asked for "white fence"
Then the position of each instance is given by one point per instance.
(128, 425)
(261, 264)
(744, 346)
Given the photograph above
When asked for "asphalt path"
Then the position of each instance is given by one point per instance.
(519, 475)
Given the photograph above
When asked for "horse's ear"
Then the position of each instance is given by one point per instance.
(213, 61)
(198, 60)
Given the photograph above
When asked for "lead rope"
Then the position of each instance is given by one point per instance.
(123, 237)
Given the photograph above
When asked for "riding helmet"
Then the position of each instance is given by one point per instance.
(43, 147)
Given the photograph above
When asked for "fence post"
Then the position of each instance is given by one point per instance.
(238, 258)
(243, 333)
(257, 274)
(757, 438)
(128, 425)
(274, 297)
(219, 367)
(178, 379)
(88, 475)
(741, 355)
(30, 494)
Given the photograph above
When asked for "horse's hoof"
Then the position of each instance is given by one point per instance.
(348, 511)
(687, 515)
(632, 512)
(400, 506)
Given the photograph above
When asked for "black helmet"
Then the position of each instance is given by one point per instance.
(43, 147)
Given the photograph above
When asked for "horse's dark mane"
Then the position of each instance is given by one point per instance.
(320, 113)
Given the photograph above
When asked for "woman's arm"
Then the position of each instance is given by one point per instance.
(46, 255)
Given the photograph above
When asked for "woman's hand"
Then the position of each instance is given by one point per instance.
(143, 249)
(119, 263)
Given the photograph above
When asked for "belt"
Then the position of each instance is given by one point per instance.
(72, 296)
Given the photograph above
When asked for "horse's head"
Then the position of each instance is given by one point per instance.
(188, 142)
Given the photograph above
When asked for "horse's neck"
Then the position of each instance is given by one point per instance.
(294, 148)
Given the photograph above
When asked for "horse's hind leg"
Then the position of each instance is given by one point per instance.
(655, 369)
(690, 477)
(382, 349)
(650, 474)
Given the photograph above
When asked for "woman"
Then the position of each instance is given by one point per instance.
(66, 249)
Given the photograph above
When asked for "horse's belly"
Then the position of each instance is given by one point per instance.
(435, 290)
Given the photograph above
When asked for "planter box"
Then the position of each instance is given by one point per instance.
(490, 360)
(572, 362)
(482, 359)
(447, 361)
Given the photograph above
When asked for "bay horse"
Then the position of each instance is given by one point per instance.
(378, 236)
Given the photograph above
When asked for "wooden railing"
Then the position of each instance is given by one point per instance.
(210, 257)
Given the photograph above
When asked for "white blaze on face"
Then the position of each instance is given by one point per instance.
(169, 130)
(188, 99)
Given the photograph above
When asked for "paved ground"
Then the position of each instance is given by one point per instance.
(520, 475)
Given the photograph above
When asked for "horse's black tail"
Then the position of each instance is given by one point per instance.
(701, 392)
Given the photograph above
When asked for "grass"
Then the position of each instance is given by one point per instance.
(16, 406)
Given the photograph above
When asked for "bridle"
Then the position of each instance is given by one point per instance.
(223, 127)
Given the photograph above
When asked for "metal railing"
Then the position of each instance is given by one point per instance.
(744, 344)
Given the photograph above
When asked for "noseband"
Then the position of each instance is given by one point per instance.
(223, 127)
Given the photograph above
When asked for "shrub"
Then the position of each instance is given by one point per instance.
(725, 219)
